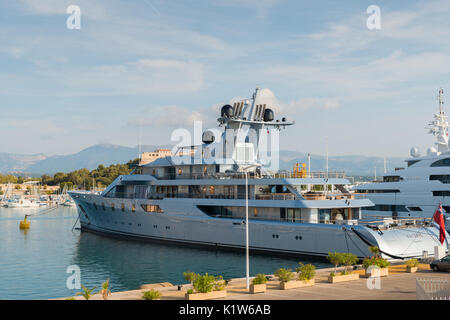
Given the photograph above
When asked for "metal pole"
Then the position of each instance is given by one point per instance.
(247, 264)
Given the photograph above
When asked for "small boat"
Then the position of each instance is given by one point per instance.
(22, 203)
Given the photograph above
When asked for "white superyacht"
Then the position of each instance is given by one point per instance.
(199, 198)
(417, 190)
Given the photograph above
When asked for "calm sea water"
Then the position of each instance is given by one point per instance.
(33, 263)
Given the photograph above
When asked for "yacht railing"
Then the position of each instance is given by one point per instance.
(270, 196)
(251, 175)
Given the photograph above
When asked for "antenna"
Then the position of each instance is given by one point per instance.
(441, 101)
(385, 165)
(326, 162)
(309, 165)
(139, 141)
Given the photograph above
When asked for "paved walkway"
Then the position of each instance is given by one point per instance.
(399, 285)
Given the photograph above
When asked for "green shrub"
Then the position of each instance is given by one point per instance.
(87, 293)
(343, 259)
(151, 295)
(383, 263)
(284, 275)
(375, 250)
(189, 276)
(219, 284)
(374, 261)
(190, 291)
(207, 283)
(412, 263)
(259, 279)
(334, 258)
(306, 271)
(348, 259)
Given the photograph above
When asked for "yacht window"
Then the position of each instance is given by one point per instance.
(324, 215)
(152, 208)
(414, 209)
(391, 178)
(441, 193)
(444, 178)
(441, 163)
(411, 162)
(387, 207)
(380, 191)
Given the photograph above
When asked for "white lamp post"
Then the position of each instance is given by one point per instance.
(247, 256)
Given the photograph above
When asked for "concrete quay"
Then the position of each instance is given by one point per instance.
(399, 285)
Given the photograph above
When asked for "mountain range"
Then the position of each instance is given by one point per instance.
(107, 154)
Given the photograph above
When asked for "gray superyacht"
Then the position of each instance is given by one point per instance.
(204, 194)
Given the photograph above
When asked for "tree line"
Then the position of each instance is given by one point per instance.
(82, 179)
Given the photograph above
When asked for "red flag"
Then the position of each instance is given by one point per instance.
(438, 217)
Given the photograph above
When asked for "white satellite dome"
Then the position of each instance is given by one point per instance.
(431, 151)
(415, 152)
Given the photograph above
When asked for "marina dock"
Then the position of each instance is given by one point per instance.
(399, 285)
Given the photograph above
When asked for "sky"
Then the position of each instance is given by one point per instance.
(138, 69)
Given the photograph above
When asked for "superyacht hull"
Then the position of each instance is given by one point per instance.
(182, 222)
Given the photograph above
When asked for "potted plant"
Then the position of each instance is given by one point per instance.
(258, 284)
(288, 280)
(346, 260)
(376, 266)
(105, 290)
(284, 275)
(383, 264)
(151, 295)
(206, 287)
(306, 274)
(412, 265)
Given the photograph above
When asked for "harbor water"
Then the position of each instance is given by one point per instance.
(34, 262)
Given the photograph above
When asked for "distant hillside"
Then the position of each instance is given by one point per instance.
(18, 162)
(108, 154)
(89, 158)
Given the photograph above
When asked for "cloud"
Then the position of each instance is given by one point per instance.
(292, 108)
(95, 10)
(171, 116)
(143, 76)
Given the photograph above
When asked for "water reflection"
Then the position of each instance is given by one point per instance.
(131, 263)
(34, 262)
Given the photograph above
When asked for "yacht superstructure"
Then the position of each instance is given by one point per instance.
(199, 197)
(417, 190)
